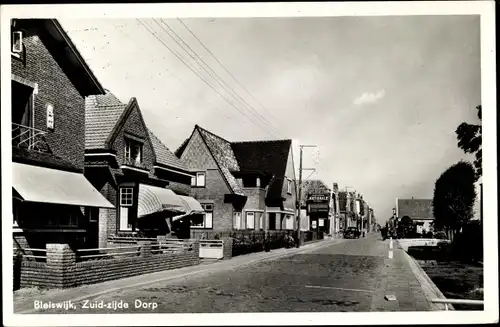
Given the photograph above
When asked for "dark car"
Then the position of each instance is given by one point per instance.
(352, 232)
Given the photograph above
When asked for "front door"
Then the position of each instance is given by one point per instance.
(93, 227)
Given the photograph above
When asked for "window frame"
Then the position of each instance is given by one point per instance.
(237, 213)
(131, 196)
(129, 145)
(206, 208)
(247, 214)
(196, 179)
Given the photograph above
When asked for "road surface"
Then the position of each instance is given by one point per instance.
(344, 276)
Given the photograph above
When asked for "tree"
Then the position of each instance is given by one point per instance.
(454, 196)
(470, 141)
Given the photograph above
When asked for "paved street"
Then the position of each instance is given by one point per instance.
(346, 275)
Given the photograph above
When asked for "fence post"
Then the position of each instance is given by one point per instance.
(61, 261)
(145, 248)
(227, 251)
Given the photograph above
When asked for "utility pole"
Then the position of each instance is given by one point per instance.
(300, 190)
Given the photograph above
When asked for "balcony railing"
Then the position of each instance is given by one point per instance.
(134, 163)
(29, 138)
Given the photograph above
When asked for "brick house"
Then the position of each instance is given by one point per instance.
(50, 80)
(245, 185)
(419, 210)
(136, 172)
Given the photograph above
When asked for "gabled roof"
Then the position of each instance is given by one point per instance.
(62, 49)
(163, 155)
(269, 157)
(102, 112)
(223, 155)
(415, 208)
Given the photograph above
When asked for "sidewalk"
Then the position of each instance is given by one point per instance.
(24, 304)
(402, 277)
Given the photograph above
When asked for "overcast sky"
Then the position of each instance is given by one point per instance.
(381, 97)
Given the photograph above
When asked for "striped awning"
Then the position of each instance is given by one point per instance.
(154, 199)
(191, 205)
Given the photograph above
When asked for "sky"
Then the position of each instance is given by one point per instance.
(379, 97)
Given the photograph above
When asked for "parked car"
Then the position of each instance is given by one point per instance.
(352, 232)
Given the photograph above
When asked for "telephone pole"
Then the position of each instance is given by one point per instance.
(300, 191)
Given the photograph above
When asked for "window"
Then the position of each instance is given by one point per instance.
(261, 221)
(126, 196)
(193, 181)
(289, 222)
(133, 151)
(289, 186)
(206, 220)
(250, 220)
(200, 179)
(237, 220)
(17, 42)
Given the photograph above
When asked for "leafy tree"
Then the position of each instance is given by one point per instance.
(470, 141)
(454, 196)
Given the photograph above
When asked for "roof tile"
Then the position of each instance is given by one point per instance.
(163, 155)
(101, 115)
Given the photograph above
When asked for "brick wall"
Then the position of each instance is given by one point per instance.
(62, 271)
(67, 140)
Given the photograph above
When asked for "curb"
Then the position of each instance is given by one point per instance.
(208, 268)
(431, 291)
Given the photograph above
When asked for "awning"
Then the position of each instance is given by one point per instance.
(39, 184)
(154, 199)
(191, 205)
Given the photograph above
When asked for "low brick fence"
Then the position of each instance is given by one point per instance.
(61, 269)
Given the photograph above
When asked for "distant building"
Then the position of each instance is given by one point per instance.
(419, 210)
(316, 201)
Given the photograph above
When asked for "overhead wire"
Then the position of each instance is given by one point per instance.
(227, 71)
(214, 75)
(151, 31)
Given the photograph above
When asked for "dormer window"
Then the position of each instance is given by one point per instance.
(133, 151)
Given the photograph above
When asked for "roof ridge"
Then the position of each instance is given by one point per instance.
(211, 133)
(263, 141)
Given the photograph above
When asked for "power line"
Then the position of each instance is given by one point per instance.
(150, 30)
(227, 71)
(211, 73)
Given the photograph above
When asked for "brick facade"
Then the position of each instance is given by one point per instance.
(67, 139)
(198, 158)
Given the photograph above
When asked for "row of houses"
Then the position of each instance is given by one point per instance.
(86, 166)
(331, 210)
